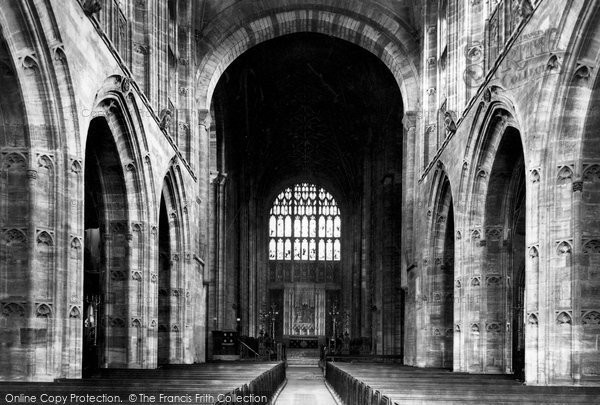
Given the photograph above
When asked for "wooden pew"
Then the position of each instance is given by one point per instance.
(231, 379)
(386, 384)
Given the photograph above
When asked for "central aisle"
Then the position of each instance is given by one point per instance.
(305, 385)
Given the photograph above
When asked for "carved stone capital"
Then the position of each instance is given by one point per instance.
(204, 118)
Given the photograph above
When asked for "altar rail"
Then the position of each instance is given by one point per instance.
(387, 384)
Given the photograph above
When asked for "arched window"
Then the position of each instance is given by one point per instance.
(304, 225)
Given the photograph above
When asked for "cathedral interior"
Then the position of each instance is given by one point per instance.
(404, 184)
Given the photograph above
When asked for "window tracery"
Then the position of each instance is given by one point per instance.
(305, 225)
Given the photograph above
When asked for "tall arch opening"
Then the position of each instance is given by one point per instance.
(308, 109)
(172, 291)
(164, 284)
(587, 222)
(442, 281)
(105, 252)
(504, 274)
(14, 216)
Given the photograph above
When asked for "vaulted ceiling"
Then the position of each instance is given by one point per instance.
(308, 106)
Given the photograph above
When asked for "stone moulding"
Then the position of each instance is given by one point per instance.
(590, 318)
(553, 62)
(582, 73)
(44, 238)
(565, 174)
(15, 236)
(493, 327)
(532, 319)
(493, 280)
(43, 310)
(564, 318)
(13, 309)
(591, 246)
(591, 173)
(533, 252)
(563, 248)
(75, 312)
(534, 175)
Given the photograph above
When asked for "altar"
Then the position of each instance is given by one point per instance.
(304, 342)
(304, 314)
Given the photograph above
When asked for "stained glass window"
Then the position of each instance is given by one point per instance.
(304, 224)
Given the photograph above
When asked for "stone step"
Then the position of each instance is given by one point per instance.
(300, 353)
(303, 361)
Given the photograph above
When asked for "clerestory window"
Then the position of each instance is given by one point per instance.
(304, 224)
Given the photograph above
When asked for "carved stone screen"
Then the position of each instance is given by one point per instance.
(304, 310)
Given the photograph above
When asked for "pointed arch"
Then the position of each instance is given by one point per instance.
(228, 36)
(174, 269)
(439, 275)
(39, 123)
(118, 188)
(496, 204)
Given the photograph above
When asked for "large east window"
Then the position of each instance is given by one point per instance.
(304, 224)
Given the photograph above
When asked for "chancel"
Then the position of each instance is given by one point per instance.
(358, 202)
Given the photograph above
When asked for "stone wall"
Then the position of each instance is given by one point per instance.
(541, 87)
(71, 75)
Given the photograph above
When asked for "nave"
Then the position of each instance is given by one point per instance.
(349, 383)
(305, 384)
(196, 181)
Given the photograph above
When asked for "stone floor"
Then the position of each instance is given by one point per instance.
(305, 386)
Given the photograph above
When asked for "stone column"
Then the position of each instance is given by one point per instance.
(221, 249)
(430, 79)
(366, 267)
(577, 327)
(251, 322)
(204, 178)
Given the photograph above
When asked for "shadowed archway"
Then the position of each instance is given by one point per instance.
(105, 251)
(310, 108)
(504, 275)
